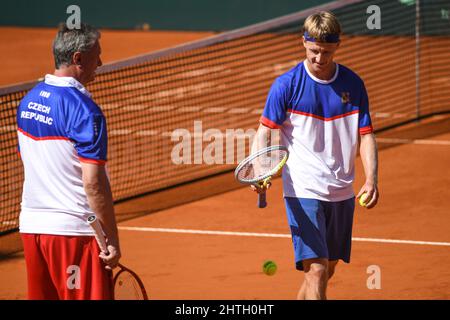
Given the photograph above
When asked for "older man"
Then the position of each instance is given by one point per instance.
(63, 146)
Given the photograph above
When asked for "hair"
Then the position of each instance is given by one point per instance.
(70, 40)
(321, 24)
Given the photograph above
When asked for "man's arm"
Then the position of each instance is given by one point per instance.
(98, 191)
(265, 137)
(369, 157)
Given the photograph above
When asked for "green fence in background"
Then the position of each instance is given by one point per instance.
(215, 15)
(210, 15)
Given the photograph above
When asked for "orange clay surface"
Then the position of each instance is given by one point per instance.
(414, 190)
(26, 53)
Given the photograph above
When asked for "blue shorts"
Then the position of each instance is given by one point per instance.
(320, 229)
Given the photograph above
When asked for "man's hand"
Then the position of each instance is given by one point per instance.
(369, 157)
(262, 188)
(371, 190)
(98, 191)
(112, 258)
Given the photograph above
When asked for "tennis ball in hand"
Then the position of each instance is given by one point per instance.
(269, 268)
(362, 199)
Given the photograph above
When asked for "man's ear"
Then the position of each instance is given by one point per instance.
(76, 58)
(304, 41)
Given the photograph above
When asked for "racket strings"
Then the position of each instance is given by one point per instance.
(261, 165)
(127, 287)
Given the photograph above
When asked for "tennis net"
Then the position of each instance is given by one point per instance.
(206, 95)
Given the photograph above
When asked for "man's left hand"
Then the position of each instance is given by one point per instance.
(371, 189)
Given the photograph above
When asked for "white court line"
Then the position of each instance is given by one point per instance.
(239, 110)
(214, 110)
(273, 235)
(161, 108)
(148, 133)
(9, 222)
(8, 128)
(134, 107)
(382, 115)
(411, 141)
(189, 109)
(120, 132)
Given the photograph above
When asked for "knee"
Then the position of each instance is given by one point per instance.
(316, 274)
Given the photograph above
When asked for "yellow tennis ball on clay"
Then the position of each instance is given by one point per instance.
(362, 199)
(269, 268)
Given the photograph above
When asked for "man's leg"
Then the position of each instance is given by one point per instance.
(308, 228)
(40, 284)
(76, 269)
(331, 268)
(301, 292)
(316, 278)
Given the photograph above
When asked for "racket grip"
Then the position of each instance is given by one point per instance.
(98, 233)
(262, 200)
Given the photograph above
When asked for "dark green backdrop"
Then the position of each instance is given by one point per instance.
(398, 16)
(163, 14)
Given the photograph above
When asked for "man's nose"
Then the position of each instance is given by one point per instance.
(319, 58)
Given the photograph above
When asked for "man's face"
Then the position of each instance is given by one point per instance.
(89, 62)
(320, 55)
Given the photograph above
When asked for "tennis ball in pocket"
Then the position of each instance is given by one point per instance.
(362, 200)
(269, 268)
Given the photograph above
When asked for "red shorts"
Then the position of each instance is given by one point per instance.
(65, 268)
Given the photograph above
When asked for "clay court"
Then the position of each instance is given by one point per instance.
(213, 246)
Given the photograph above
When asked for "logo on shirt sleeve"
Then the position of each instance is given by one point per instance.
(96, 126)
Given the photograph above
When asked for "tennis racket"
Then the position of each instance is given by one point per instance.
(127, 284)
(258, 168)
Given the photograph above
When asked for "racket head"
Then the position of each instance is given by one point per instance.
(128, 285)
(261, 165)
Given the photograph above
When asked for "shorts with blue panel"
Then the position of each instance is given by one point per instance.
(320, 229)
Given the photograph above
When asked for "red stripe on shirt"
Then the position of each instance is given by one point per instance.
(269, 123)
(323, 118)
(366, 130)
(93, 161)
(42, 138)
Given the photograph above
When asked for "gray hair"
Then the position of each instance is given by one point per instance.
(68, 41)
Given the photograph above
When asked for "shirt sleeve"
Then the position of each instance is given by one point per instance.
(274, 112)
(89, 135)
(365, 122)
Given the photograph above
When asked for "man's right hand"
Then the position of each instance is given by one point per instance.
(262, 188)
(112, 258)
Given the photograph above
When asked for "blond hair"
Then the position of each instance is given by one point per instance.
(321, 24)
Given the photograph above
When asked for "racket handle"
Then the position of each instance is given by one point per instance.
(98, 233)
(262, 200)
